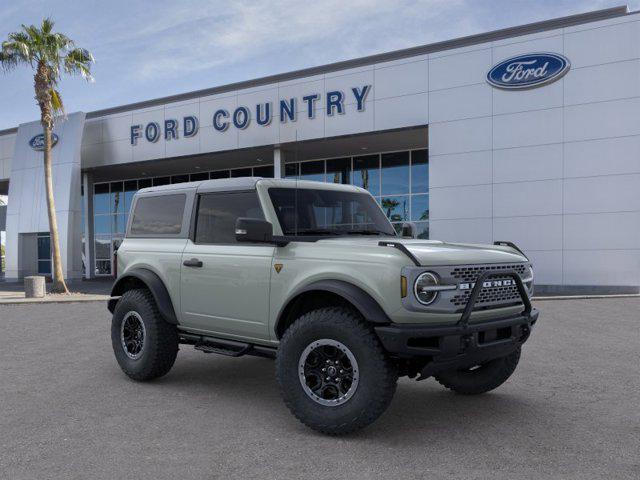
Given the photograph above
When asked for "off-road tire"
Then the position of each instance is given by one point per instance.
(161, 338)
(377, 375)
(482, 379)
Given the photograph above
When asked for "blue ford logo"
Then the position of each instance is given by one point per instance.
(37, 142)
(528, 71)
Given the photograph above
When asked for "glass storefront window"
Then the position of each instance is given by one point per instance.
(265, 171)
(422, 230)
(395, 173)
(419, 171)
(312, 171)
(366, 173)
(157, 181)
(219, 174)
(102, 250)
(130, 188)
(240, 172)
(102, 225)
(144, 183)
(101, 198)
(179, 178)
(117, 197)
(103, 267)
(196, 177)
(291, 170)
(119, 223)
(339, 170)
(419, 208)
(396, 208)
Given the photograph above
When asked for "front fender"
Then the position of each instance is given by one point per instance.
(151, 281)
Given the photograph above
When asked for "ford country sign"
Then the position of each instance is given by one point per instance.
(528, 71)
(37, 142)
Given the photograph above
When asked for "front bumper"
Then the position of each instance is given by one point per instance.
(450, 347)
(464, 344)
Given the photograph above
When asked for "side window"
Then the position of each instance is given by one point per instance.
(159, 215)
(218, 212)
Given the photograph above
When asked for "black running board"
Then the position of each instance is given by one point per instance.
(223, 346)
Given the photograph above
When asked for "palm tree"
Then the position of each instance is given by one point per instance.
(48, 54)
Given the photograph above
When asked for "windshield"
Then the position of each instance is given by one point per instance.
(306, 211)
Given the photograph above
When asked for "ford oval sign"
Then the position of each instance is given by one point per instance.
(37, 142)
(528, 71)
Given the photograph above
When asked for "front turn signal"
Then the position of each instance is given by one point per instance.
(403, 286)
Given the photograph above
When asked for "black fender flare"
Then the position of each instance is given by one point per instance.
(361, 300)
(155, 285)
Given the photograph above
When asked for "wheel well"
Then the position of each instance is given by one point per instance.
(308, 301)
(143, 278)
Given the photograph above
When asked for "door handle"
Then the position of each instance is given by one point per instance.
(194, 262)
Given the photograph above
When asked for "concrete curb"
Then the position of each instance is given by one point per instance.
(585, 297)
(61, 299)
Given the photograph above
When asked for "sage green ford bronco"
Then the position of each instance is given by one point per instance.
(315, 276)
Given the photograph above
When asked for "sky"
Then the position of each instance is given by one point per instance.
(149, 49)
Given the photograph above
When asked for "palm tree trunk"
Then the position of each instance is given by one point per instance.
(59, 285)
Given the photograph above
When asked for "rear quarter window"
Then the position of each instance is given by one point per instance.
(158, 215)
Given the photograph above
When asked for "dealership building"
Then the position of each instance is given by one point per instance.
(529, 134)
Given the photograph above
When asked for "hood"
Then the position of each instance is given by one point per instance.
(435, 252)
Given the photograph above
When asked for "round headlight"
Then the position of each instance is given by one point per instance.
(421, 288)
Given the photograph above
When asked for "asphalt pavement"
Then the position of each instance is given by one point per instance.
(571, 410)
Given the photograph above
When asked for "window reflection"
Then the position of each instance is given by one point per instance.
(312, 171)
(395, 173)
(339, 170)
(396, 208)
(101, 198)
(419, 171)
(419, 207)
(117, 200)
(366, 173)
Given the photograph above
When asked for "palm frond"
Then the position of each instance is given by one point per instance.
(78, 62)
(56, 101)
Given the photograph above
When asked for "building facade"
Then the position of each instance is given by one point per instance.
(529, 134)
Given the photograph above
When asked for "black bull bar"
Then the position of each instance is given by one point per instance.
(463, 344)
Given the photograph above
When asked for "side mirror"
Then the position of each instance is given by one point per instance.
(409, 230)
(253, 230)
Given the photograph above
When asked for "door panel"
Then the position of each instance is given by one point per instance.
(229, 293)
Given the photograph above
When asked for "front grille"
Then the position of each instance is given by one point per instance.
(489, 296)
(470, 273)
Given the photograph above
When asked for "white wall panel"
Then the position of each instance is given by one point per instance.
(349, 122)
(601, 120)
(603, 45)
(542, 232)
(459, 103)
(540, 162)
(460, 136)
(604, 231)
(601, 267)
(210, 105)
(527, 198)
(528, 128)
(398, 112)
(510, 101)
(402, 79)
(345, 83)
(117, 127)
(212, 140)
(547, 266)
(471, 168)
(92, 132)
(302, 129)
(602, 157)
(611, 193)
(474, 230)
(599, 83)
(459, 69)
(447, 203)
